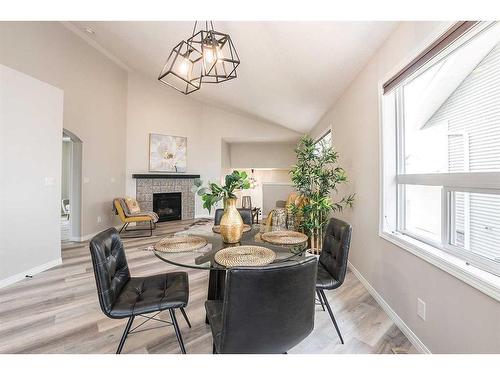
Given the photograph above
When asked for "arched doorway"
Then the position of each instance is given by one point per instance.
(71, 187)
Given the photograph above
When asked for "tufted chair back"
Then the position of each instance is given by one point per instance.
(336, 248)
(246, 215)
(268, 309)
(110, 267)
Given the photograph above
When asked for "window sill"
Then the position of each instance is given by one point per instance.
(486, 282)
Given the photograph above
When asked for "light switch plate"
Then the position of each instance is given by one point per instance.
(49, 181)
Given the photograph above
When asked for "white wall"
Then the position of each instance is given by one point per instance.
(265, 177)
(95, 90)
(273, 192)
(460, 319)
(225, 158)
(263, 155)
(31, 118)
(155, 108)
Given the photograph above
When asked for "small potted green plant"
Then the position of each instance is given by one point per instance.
(315, 176)
(231, 225)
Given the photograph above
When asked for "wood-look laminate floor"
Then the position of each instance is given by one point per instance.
(57, 311)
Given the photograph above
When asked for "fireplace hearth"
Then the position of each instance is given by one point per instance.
(168, 206)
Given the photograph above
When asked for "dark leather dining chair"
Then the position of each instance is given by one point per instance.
(332, 265)
(265, 310)
(122, 296)
(246, 215)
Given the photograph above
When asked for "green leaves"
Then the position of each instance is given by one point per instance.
(202, 191)
(236, 181)
(315, 176)
(213, 193)
(210, 200)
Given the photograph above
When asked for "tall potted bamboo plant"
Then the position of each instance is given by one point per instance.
(315, 176)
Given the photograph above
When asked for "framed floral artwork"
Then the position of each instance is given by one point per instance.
(167, 153)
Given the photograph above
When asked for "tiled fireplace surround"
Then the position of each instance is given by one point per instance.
(149, 184)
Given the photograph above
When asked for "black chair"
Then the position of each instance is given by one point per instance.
(246, 215)
(332, 265)
(122, 296)
(266, 309)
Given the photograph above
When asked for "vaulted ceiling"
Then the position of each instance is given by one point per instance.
(290, 72)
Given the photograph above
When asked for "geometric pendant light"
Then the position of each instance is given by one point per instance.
(183, 69)
(207, 56)
(220, 58)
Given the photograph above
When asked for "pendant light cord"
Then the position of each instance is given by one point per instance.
(194, 28)
(206, 26)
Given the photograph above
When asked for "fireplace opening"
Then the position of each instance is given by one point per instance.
(168, 206)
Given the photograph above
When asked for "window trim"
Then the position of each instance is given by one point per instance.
(469, 256)
(454, 33)
(469, 180)
(390, 180)
(484, 281)
(329, 131)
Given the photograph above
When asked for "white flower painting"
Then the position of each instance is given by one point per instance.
(167, 153)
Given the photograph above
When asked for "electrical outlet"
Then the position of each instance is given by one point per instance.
(421, 308)
(86, 180)
(99, 219)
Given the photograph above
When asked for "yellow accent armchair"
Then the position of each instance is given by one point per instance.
(126, 218)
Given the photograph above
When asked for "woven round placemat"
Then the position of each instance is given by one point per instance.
(177, 244)
(284, 237)
(246, 228)
(245, 256)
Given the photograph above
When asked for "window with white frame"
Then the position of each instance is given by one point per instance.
(324, 141)
(441, 151)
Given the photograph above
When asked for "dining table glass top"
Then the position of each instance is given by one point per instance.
(203, 258)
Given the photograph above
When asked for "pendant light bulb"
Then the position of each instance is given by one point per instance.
(208, 55)
(185, 68)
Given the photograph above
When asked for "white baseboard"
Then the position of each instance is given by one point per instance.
(89, 236)
(410, 335)
(32, 271)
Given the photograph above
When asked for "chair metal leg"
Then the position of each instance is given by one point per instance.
(185, 316)
(214, 350)
(125, 334)
(321, 291)
(177, 331)
(320, 299)
(123, 227)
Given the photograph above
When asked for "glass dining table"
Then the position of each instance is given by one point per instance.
(204, 258)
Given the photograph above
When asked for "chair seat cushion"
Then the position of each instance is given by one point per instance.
(138, 219)
(142, 295)
(324, 280)
(214, 315)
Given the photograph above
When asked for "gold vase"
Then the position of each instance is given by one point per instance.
(231, 224)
